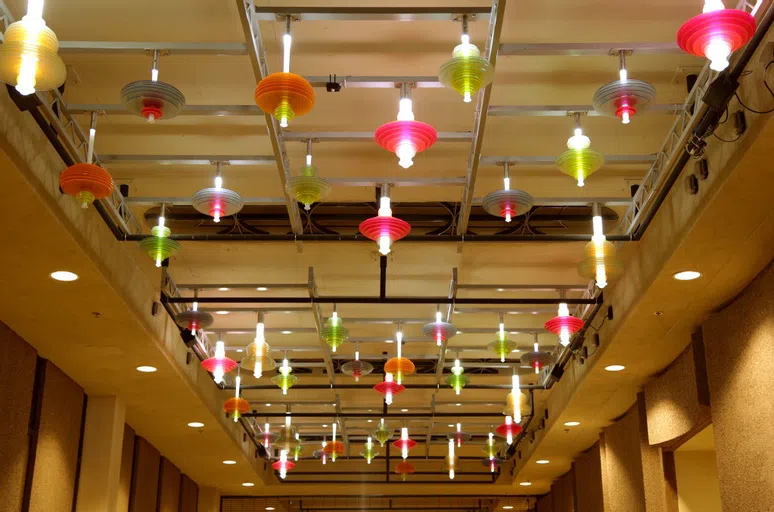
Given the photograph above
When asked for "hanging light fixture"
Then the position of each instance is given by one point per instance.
(334, 448)
(152, 99)
(502, 346)
(29, 58)
(457, 379)
(579, 161)
(320, 454)
(404, 444)
(258, 359)
(508, 429)
(236, 406)
(404, 469)
(357, 368)
(564, 325)
(159, 246)
(334, 333)
(389, 388)
(507, 203)
(600, 262)
(285, 95)
(515, 398)
(490, 447)
(308, 187)
(439, 330)
(451, 460)
(217, 201)
(716, 33)
(219, 365)
(288, 436)
(399, 366)
(283, 465)
(493, 464)
(267, 437)
(624, 97)
(458, 436)
(384, 229)
(369, 452)
(298, 449)
(193, 319)
(285, 379)
(537, 359)
(86, 182)
(405, 137)
(466, 72)
(382, 433)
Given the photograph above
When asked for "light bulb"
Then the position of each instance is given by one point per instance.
(466, 97)
(507, 216)
(308, 160)
(33, 22)
(218, 182)
(623, 75)
(625, 119)
(406, 151)
(507, 183)
(717, 51)
(713, 5)
(404, 436)
(384, 245)
(405, 110)
(465, 39)
(324, 458)
(578, 140)
(287, 40)
(509, 436)
(284, 122)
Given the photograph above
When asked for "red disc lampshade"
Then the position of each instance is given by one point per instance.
(506, 429)
(385, 387)
(557, 324)
(408, 443)
(383, 226)
(421, 135)
(211, 364)
(731, 26)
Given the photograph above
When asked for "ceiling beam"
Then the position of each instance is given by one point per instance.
(257, 54)
(190, 159)
(586, 49)
(566, 110)
(479, 124)
(549, 160)
(318, 322)
(112, 47)
(269, 13)
(364, 136)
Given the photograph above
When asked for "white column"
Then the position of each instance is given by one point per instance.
(103, 438)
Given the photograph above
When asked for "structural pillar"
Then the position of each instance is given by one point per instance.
(209, 499)
(103, 437)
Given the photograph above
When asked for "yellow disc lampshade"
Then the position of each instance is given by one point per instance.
(30, 50)
(466, 72)
(580, 163)
(604, 258)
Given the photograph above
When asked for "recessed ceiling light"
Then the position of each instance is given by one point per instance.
(325, 425)
(389, 341)
(507, 507)
(196, 424)
(287, 332)
(146, 369)
(268, 405)
(572, 423)
(451, 426)
(615, 368)
(222, 289)
(222, 312)
(269, 508)
(542, 461)
(459, 332)
(239, 350)
(458, 404)
(525, 484)
(248, 484)
(262, 289)
(687, 275)
(370, 421)
(64, 275)
(404, 410)
(501, 289)
(229, 462)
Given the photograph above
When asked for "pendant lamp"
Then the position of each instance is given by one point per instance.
(716, 33)
(579, 161)
(369, 451)
(459, 437)
(600, 262)
(405, 137)
(507, 203)
(404, 469)
(382, 433)
(236, 406)
(334, 448)
(193, 319)
(29, 58)
(490, 448)
(285, 378)
(502, 346)
(267, 437)
(384, 229)
(283, 465)
(152, 99)
(258, 359)
(439, 331)
(509, 429)
(389, 388)
(564, 325)
(298, 449)
(466, 72)
(288, 436)
(219, 365)
(334, 333)
(493, 464)
(217, 201)
(357, 368)
(457, 379)
(85, 181)
(308, 187)
(159, 246)
(451, 460)
(515, 400)
(285, 95)
(624, 97)
(404, 443)
(537, 359)
(399, 366)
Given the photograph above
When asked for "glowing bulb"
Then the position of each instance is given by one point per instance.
(283, 464)
(404, 436)
(405, 110)
(384, 244)
(25, 81)
(451, 459)
(713, 5)
(516, 392)
(218, 182)
(509, 436)
(507, 183)
(406, 151)
(465, 38)
(717, 51)
(388, 395)
(284, 122)
(308, 160)
(260, 339)
(287, 40)
(466, 97)
(578, 141)
(623, 75)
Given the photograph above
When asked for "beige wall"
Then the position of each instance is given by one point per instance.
(698, 489)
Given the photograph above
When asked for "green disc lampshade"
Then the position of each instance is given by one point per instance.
(383, 434)
(308, 187)
(502, 346)
(457, 381)
(580, 163)
(285, 381)
(334, 333)
(369, 453)
(158, 246)
(466, 72)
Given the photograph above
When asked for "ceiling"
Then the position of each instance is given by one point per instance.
(160, 405)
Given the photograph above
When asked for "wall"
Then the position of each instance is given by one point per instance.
(588, 480)
(698, 489)
(563, 492)
(41, 440)
(739, 345)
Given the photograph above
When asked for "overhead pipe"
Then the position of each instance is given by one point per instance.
(255, 237)
(370, 386)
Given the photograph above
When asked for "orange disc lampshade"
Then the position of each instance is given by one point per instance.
(400, 366)
(236, 406)
(285, 96)
(86, 182)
